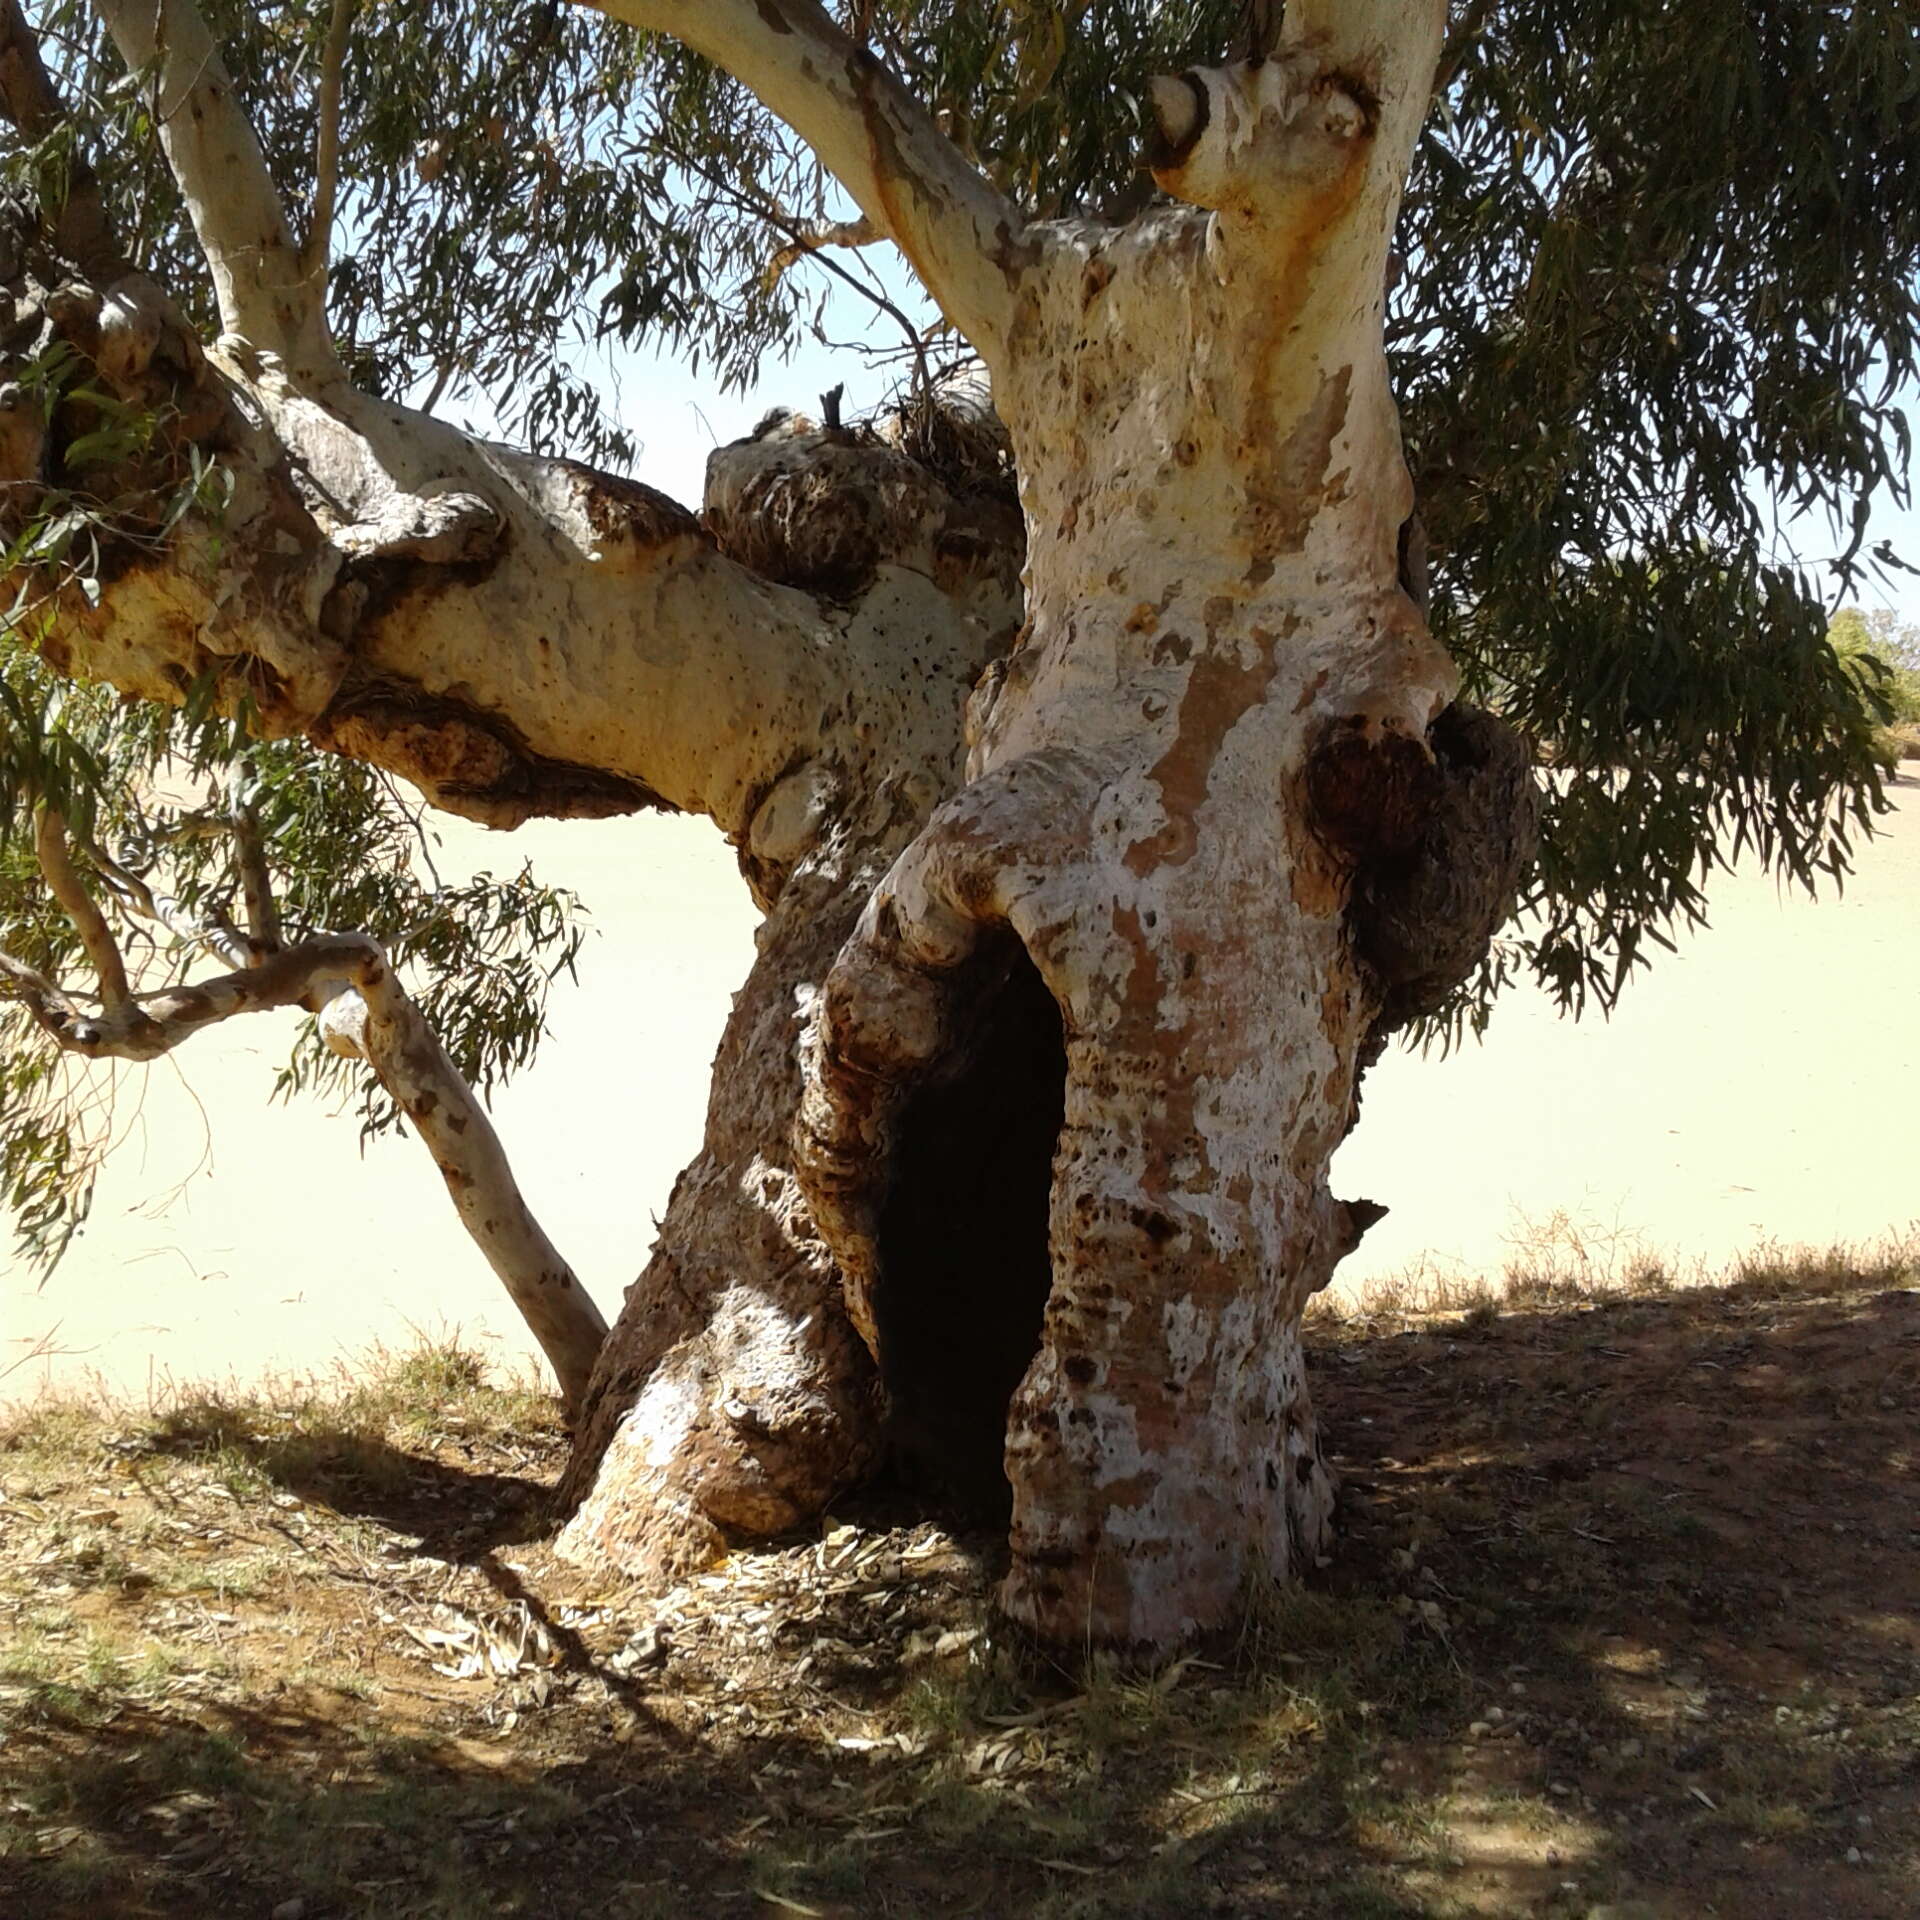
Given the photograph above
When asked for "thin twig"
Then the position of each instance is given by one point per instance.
(915, 340)
(326, 146)
(442, 374)
(133, 892)
(256, 882)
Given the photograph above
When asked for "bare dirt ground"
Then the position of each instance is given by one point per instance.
(1757, 1086)
(1625, 1626)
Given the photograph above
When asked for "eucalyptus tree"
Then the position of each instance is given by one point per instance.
(1116, 768)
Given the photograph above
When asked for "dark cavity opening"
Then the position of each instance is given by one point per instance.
(963, 1241)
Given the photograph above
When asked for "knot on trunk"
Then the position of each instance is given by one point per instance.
(443, 529)
(1371, 789)
(1261, 131)
(1423, 913)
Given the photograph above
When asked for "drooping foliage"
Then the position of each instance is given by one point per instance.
(1883, 656)
(1658, 307)
(149, 796)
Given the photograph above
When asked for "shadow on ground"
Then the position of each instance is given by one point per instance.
(1626, 1623)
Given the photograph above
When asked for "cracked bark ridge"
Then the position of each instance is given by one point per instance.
(733, 1397)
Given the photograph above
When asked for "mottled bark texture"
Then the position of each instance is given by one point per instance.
(1016, 1158)
(1202, 804)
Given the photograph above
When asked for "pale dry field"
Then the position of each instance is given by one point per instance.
(1758, 1086)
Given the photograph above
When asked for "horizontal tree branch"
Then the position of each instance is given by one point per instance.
(146, 1026)
(521, 636)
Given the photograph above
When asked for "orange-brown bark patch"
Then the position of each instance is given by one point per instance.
(1218, 694)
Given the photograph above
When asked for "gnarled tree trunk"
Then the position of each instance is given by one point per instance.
(1216, 719)
(1017, 1156)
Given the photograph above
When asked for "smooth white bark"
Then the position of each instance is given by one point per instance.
(521, 636)
(379, 1022)
(962, 237)
(268, 294)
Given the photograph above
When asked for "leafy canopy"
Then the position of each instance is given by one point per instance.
(1659, 300)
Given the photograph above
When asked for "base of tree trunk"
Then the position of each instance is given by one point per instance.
(732, 1397)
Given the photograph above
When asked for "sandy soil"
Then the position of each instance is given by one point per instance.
(1759, 1085)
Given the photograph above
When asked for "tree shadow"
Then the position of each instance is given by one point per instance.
(455, 1512)
(1626, 1616)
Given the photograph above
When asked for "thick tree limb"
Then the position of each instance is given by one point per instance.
(362, 586)
(360, 582)
(964, 240)
(267, 296)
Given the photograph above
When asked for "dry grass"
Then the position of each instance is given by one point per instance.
(1567, 1263)
(1626, 1621)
